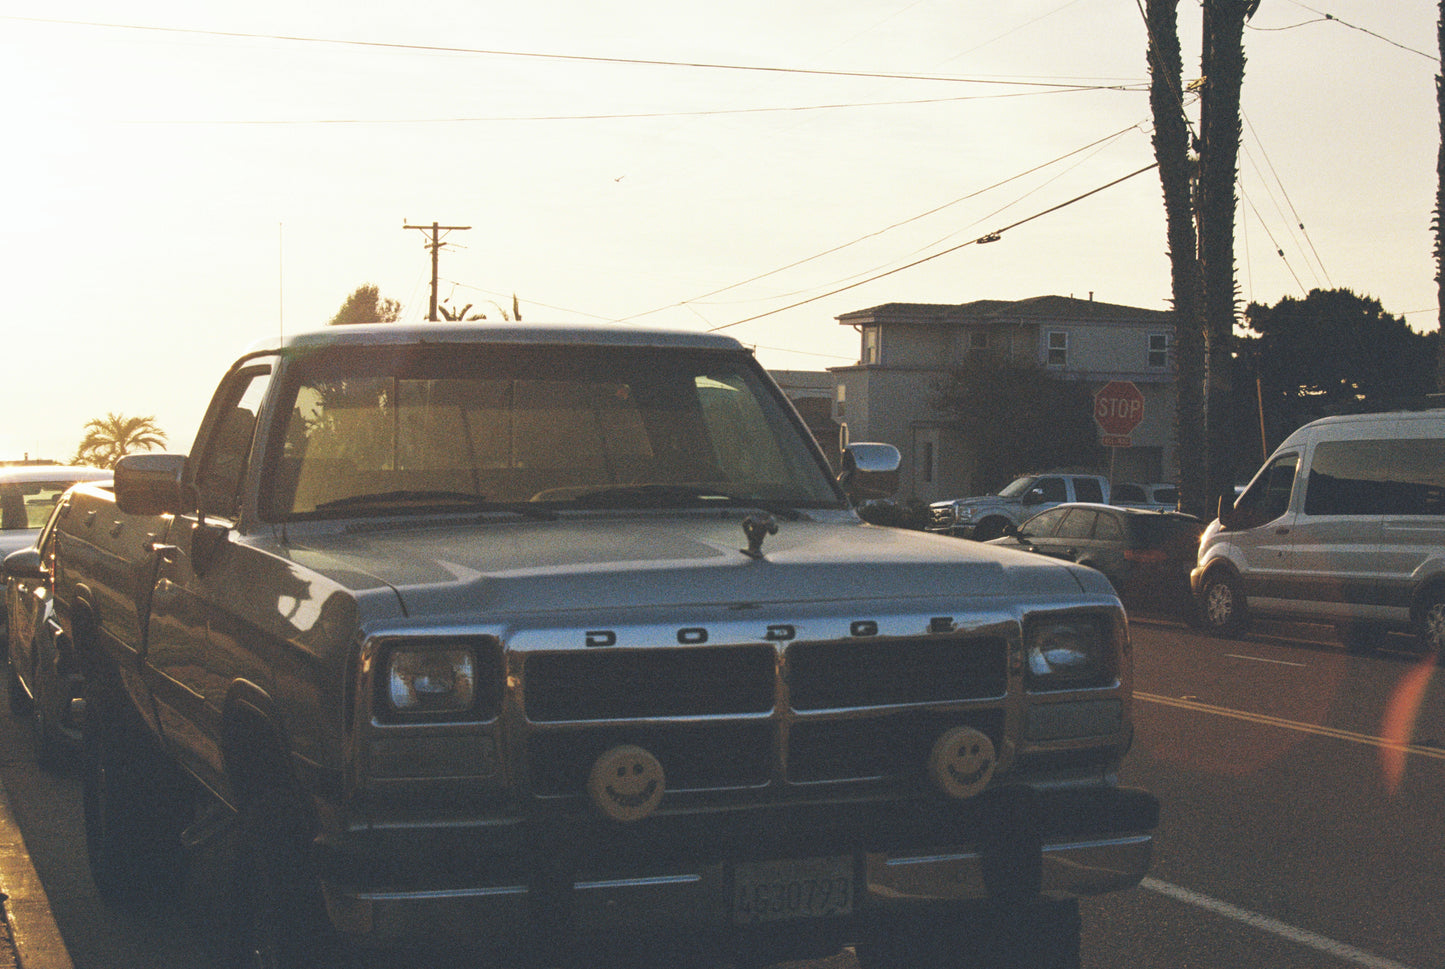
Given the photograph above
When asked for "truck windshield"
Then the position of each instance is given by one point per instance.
(391, 430)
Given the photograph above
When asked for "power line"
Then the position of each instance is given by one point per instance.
(878, 232)
(993, 236)
(577, 58)
(1331, 18)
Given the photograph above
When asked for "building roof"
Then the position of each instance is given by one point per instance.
(1034, 310)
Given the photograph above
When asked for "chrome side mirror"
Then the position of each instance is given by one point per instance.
(869, 471)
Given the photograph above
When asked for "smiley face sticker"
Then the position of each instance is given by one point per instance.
(626, 783)
(962, 762)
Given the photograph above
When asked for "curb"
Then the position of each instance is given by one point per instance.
(33, 936)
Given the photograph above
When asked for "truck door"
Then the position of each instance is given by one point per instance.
(1260, 530)
(200, 581)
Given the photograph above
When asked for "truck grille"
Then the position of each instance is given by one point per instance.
(860, 709)
(941, 517)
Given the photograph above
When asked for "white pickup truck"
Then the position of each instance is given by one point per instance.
(531, 639)
(989, 516)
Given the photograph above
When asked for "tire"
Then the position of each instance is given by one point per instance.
(136, 805)
(989, 528)
(279, 918)
(986, 935)
(1221, 604)
(1430, 623)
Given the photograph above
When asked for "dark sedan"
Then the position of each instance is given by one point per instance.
(1146, 554)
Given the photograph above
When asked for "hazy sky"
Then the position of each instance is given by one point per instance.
(182, 179)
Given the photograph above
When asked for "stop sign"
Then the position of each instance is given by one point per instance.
(1118, 408)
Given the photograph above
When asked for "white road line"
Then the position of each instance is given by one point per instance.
(1261, 659)
(1341, 951)
(1415, 750)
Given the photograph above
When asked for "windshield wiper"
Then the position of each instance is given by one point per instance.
(674, 496)
(466, 499)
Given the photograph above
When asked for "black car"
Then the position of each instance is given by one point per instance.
(1146, 554)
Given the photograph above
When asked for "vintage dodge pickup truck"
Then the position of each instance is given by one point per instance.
(519, 640)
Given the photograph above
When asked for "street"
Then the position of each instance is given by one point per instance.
(1303, 792)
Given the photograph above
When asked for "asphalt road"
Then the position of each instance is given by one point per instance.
(1303, 828)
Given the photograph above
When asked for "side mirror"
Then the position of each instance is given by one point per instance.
(869, 471)
(22, 564)
(150, 484)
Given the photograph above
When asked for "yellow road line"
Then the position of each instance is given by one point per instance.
(1310, 728)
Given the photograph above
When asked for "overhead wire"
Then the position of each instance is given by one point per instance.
(543, 55)
(878, 232)
(993, 236)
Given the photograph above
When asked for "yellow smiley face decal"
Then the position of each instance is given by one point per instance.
(962, 762)
(626, 783)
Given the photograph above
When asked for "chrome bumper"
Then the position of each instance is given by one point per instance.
(699, 901)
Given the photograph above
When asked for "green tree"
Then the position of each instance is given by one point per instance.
(1335, 352)
(1018, 417)
(366, 305)
(110, 438)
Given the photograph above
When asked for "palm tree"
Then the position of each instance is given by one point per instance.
(1440, 202)
(1176, 176)
(112, 437)
(1223, 63)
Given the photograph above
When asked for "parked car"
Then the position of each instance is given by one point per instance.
(988, 516)
(27, 495)
(42, 676)
(1145, 553)
(1164, 497)
(1344, 524)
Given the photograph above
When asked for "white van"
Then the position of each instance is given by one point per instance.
(1344, 524)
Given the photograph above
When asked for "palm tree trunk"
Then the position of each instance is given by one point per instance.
(1171, 150)
(1223, 60)
(1440, 205)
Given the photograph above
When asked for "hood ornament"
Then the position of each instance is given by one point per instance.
(757, 528)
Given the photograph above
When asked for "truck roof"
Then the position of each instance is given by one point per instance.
(374, 334)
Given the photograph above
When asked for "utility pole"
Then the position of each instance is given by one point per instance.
(435, 246)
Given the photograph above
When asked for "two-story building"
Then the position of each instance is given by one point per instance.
(907, 350)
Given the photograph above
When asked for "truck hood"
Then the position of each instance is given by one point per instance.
(487, 569)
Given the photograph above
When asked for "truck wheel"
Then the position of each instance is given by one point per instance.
(136, 806)
(990, 528)
(280, 920)
(1037, 935)
(1430, 624)
(1221, 604)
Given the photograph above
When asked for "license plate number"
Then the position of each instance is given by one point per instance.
(774, 891)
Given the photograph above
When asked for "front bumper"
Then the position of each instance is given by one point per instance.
(673, 875)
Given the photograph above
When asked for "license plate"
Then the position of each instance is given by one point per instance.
(774, 891)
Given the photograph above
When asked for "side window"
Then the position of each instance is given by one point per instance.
(1108, 528)
(1052, 488)
(1268, 497)
(1043, 525)
(1088, 489)
(1417, 478)
(1078, 524)
(1348, 478)
(227, 449)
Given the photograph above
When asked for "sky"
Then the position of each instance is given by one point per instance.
(182, 180)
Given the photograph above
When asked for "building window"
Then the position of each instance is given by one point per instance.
(839, 411)
(977, 341)
(1058, 348)
(870, 344)
(1158, 351)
